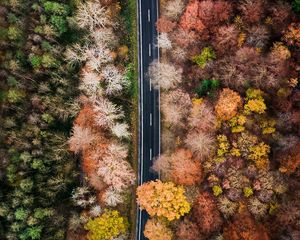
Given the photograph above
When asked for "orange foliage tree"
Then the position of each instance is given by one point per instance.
(244, 227)
(157, 230)
(228, 103)
(163, 199)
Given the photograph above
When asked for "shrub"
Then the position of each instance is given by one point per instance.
(109, 225)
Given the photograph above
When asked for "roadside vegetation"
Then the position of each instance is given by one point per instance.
(230, 102)
(67, 133)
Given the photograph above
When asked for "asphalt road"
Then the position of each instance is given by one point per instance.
(149, 122)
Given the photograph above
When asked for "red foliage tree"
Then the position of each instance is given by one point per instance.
(244, 227)
(190, 19)
(200, 15)
(165, 25)
(206, 214)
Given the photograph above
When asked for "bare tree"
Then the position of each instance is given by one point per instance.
(116, 173)
(174, 9)
(90, 83)
(92, 15)
(97, 57)
(105, 37)
(81, 138)
(201, 144)
(112, 197)
(175, 106)
(164, 75)
(163, 41)
(121, 130)
(114, 79)
(106, 112)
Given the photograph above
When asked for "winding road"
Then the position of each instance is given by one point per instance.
(149, 117)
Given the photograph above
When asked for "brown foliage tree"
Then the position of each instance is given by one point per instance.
(226, 39)
(206, 214)
(292, 35)
(244, 227)
(252, 10)
(188, 230)
(165, 25)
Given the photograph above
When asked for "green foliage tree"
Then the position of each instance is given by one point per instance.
(207, 87)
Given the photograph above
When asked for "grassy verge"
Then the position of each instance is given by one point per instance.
(129, 15)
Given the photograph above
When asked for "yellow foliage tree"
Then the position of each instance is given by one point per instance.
(157, 230)
(109, 225)
(163, 199)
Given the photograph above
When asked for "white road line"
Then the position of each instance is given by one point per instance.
(150, 119)
(149, 49)
(149, 17)
(140, 34)
(150, 153)
(150, 84)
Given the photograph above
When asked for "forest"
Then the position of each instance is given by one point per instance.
(230, 104)
(67, 101)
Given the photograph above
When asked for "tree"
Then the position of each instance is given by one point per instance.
(81, 139)
(164, 25)
(253, 10)
(186, 171)
(206, 214)
(228, 104)
(244, 227)
(190, 19)
(226, 39)
(202, 118)
(175, 106)
(114, 169)
(162, 199)
(121, 130)
(156, 229)
(201, 144)
(173, 9)
(106, 113)
(109, 225)
(292, 35)
(97, 57)
(164, 75)
(112, 197)
(163, 41)
(90, 83)
(114, 79)
(188, 230)
(106, 37)
(92, 15)
(201, 15)
(180, 167)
